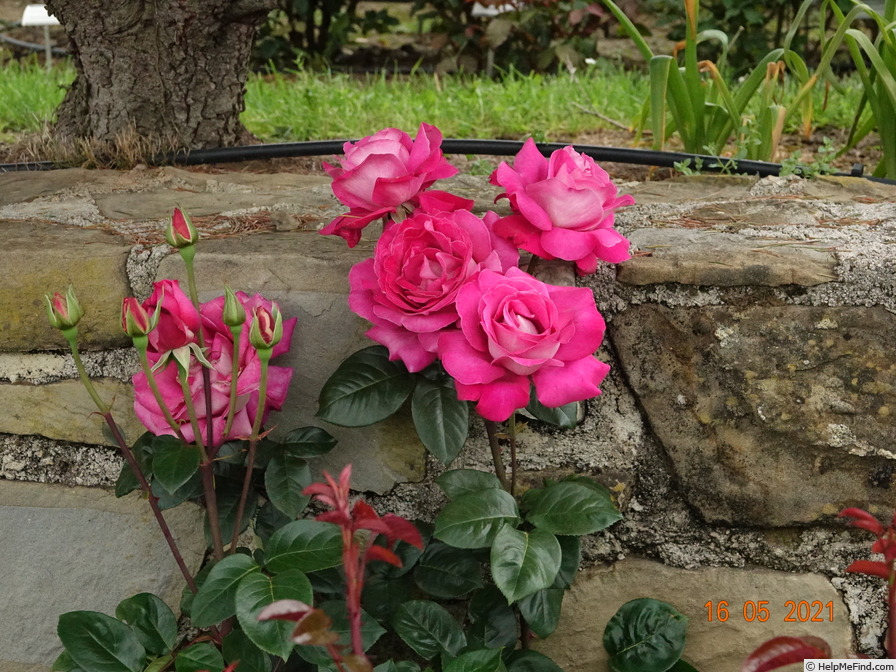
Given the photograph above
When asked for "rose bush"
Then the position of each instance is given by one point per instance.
(178, 327)
(380, 173)
(408, 289)
(563, 207)
(516, 331)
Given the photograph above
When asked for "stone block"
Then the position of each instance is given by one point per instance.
(38, 259)
(64, 411)
(721, 259)
(597, 594)
(770, 415)
(307, 274)
(67, 549)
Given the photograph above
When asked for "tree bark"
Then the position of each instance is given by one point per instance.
(170, 70)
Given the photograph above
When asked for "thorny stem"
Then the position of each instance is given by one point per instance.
(511, 427)
(234, 377)
(264, 356)
(153, 500)
(71, 336)
(491, 429)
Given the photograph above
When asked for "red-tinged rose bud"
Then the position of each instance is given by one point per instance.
(234, 313)
(267, 327)
(64, 312)
(181, 232)
(135, 320)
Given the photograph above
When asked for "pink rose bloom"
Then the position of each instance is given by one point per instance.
(517, 331)
(564, 207)
(178, 321)
(408, 289)
(219, 353)
(380, 173)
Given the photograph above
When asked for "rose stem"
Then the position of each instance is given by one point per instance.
(264, 356)
(491, 429)
(131, 461)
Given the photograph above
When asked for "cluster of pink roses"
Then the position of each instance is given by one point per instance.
(445, 284)
(178, 330)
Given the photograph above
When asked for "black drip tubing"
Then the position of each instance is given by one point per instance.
(645, 157)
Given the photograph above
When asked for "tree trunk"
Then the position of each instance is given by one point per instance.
(170, 70)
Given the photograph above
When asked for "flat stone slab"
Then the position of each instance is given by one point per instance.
(770, 415)
(597, 594)
(718, 259)
(67, 549)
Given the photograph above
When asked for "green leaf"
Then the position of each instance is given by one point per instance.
(269, 520)
(284, 480)
(429, 629)
(168, 500)
(530, 661)
(492, 622)
(306, 545)
(382, 596)
(682, 666)
(459, 482)
(238, 646)
(152, 620)
(524, 562)
(198, 658)
(160, 664)
(365, 389)
(308, 442)
(645, 635)
(64, 663)
(127, 482)
(447, 572)
(473, 520)
(100, 643)
(335, 609)
(482, 660)
(569, 564)
(442, 420)
(564, 416)
(571, 507)
(542, 610)
(173, 462)
(215, 600)
(400, 666)
(255, 592)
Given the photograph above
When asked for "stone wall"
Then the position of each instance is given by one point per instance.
(752, 395)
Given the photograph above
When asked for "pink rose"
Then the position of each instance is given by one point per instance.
(178, 321)
(380, 173)
(564, 207)
(219, 353)
(516, 331)
(409, 288)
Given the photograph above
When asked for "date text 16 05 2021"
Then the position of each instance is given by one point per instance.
(793, 611)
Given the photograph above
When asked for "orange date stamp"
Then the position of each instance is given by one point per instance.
(790, 611)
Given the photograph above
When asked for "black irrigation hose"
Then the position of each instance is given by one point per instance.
(56, 51)
(643, 157)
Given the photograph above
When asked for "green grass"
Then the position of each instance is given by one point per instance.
(304, 106)
(308, 105)
(29, 95)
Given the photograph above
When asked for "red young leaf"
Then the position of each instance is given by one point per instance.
(870, 567)
(863, 519)
(401, 529)
(781, 651)
(285, 610)
(384, 554)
